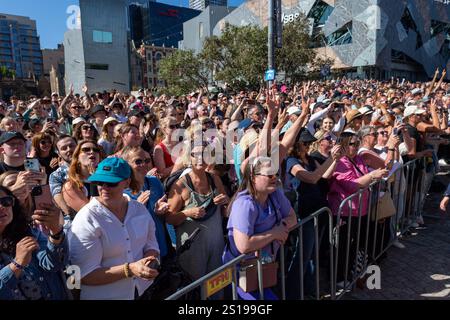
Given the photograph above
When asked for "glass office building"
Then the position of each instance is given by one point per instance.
(20, 48)
(159, 24)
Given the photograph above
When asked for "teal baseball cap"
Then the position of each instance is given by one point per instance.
(111, 170)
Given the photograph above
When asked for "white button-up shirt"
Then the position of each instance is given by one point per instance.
(98, 239)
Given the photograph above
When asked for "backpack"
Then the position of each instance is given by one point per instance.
(170, 180)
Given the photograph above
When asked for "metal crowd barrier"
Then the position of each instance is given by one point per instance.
(371, 237)
(350, 252)
(222, 277)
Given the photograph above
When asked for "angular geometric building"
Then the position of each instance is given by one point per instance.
(96, 53)
(367, 38)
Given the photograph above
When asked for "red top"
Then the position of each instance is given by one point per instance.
(167, 157)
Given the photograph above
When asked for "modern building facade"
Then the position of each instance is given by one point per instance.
(203, 4)
(196, 30)
(20, 48)
(367, 38)
(97, 52)
(158, 24)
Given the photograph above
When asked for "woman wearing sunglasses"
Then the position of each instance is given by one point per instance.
(85, 131)
(113, 239)
(162, 155)
(196, 201)
(42, 148)
(149, 191)
(260, 216)
(77, 190)
(30, 263)
(350, 175)
(321, 148)
(307, 179)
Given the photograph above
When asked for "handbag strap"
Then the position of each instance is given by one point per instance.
(356, 167)
(278, 218)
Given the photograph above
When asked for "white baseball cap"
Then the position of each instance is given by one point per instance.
(416, 91)
(78, 120)
(294, 110)
(413, 109)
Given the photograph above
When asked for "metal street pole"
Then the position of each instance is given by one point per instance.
(270, 51)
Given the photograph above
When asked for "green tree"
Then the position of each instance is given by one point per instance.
(238, 56)
(183, 72)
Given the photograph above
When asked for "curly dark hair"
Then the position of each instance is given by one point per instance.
(16, 230)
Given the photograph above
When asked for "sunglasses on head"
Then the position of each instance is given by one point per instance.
(107, 184)
(6, 201)
(328, 138)
(139, 162)
(89, 149)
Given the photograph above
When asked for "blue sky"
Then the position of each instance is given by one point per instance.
(51, 16)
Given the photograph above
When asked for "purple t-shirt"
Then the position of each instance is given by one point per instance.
(249, 217)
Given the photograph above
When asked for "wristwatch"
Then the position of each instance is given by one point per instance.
(57, 236)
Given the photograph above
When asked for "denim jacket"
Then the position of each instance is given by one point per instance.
(42, 278)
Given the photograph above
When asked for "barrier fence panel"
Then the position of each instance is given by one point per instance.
(203, 282)
(216, 285)
(355, 239)
(405, 192)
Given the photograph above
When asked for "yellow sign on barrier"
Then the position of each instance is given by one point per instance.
(218, 282)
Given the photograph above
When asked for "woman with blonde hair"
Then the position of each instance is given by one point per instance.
(8, 124)
(107, 140)
(321, 148)
(77, 191)
(149, 191)
(196, 201)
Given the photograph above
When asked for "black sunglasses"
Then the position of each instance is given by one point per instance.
(6, 201)
(138, 162)
(87, 149)
(354, 143)
(107, 184)
(43, 142)
(174, 126)
(87, 127)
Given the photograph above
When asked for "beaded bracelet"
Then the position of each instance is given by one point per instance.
(17, 265)
(126, 270)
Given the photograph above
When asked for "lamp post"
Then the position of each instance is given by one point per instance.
(270, 51)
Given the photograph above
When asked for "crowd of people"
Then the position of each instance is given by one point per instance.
(132, 176)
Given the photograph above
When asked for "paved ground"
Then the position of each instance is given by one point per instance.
(422, 269)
